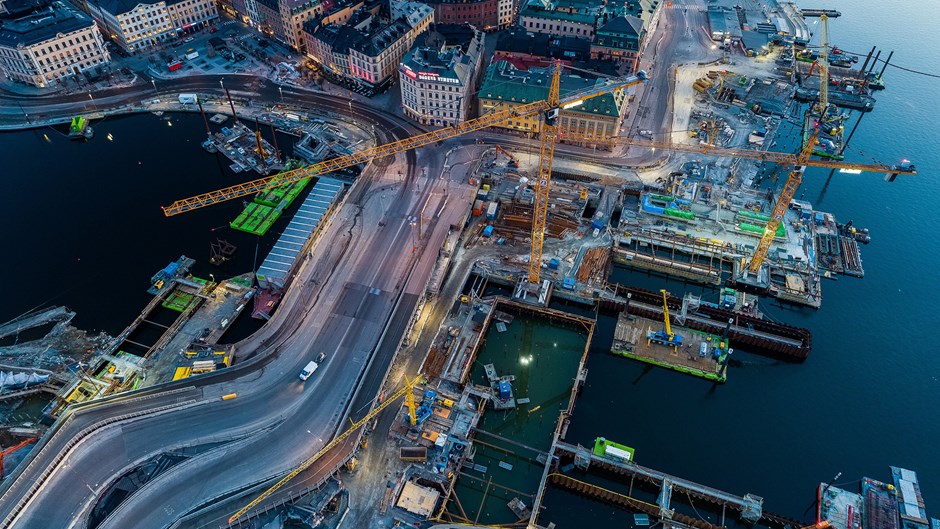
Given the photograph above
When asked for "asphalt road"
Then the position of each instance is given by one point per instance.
(677, 38)
(340, 303)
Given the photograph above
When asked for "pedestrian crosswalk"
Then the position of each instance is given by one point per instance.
(699, 8)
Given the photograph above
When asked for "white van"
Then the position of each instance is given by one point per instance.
(308, 370)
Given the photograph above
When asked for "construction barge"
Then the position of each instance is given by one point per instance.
(245, 148)
(681, 349)
(268, 205)
(748, 331)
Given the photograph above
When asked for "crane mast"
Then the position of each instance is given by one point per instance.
(666, 314)
(823, 67)
(783, 203)
(543, 181)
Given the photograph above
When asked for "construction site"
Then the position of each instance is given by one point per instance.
(471, 422)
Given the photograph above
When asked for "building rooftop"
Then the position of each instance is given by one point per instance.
(754, 40)
(13, 9)
(364, 33)
(446, 50)
(450, 36)
(503, 81)
(578, 12)
(623, 25)
(42, 25)
(118, 7)
(519, 41)
(379, 37)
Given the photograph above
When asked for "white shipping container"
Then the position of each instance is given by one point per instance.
(616, 453)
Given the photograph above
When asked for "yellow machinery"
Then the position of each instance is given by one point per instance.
(665, 336)
(666, 312)
(799, 161)
(410, 403)
(407, 389)
(823, 66)
(549, 108)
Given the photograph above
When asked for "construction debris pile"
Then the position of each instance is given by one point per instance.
(62, 345)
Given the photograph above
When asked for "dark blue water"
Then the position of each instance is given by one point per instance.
(83, 228)
(83, 225)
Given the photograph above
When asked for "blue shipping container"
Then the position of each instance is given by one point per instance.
(598, 224)
(504, 389)
(568, 283)
(487, 231)
(553, 264)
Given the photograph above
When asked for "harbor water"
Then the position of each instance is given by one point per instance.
(84, 229)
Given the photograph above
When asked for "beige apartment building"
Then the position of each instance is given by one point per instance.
(49, 45)
(136, 25)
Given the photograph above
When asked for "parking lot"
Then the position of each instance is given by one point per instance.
(225, 47)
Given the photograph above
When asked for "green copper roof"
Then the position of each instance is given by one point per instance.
(503, 82)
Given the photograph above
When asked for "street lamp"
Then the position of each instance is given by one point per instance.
(154, 83)
(414, 242)
(281, 90)
(92, 100)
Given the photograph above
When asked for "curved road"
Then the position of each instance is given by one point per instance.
(340, 302)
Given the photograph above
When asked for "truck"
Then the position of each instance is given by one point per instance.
(308, 370)
(192, 55)
(188, 99)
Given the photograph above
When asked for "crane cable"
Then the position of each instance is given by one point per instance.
(892, 65)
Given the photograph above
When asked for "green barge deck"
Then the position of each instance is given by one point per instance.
(696, 356)
(268, 205)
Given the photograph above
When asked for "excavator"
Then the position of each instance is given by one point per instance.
(512, 159)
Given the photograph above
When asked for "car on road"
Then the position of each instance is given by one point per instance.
(188, 39)
(308, 370)
(213, 29)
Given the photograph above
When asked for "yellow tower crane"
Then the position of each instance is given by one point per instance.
(407, 389)
(799, 161)
(823, 66)
(549, 108)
